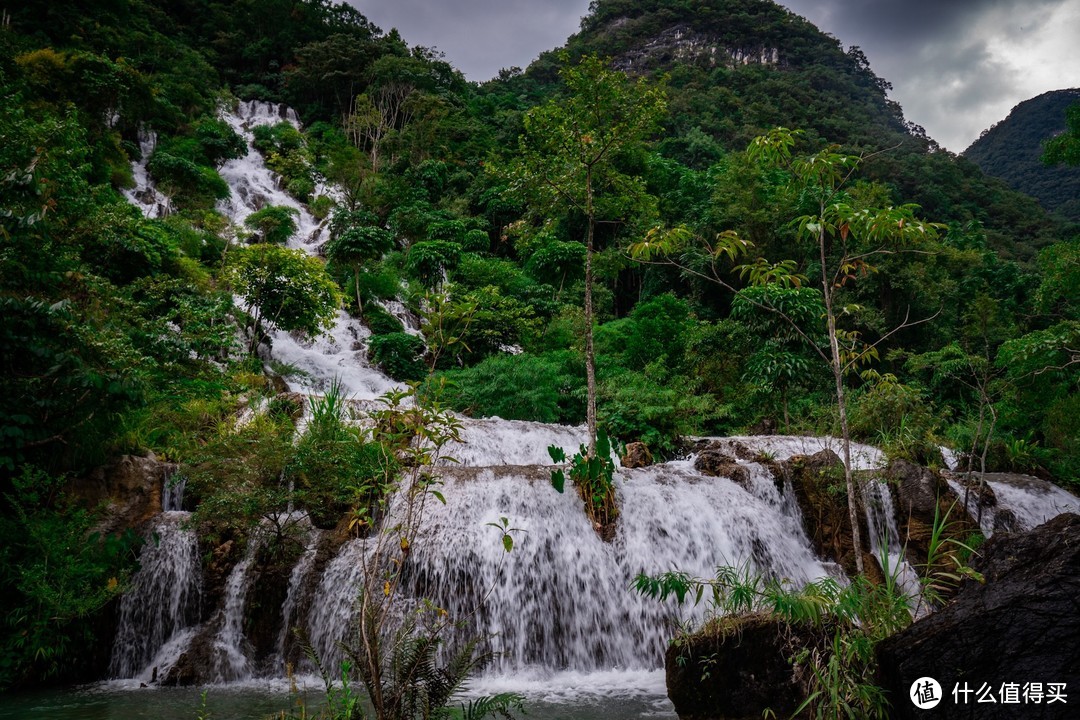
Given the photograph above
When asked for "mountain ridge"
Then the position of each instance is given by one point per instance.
(1011, 150)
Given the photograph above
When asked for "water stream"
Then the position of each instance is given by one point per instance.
(559, 608)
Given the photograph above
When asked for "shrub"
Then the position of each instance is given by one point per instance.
(274, 224)
(400, 355)
(381, 322)
(544, 388)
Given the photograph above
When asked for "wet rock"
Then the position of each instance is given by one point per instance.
(129, 488)
(921, 494)
(637, 455)
(715, 463)
(979, 496)
(818, 483)
(194, 666)
(277, 383)
(737, 668)
(1022, 625)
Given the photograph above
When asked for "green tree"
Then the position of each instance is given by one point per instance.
(284, 288)
(568, 162)
(842, 236)
(846, 237)
(1065, 148)
(274, 224)
(356, 245)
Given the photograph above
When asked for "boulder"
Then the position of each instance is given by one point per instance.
(736, 668)
(818, 483)
(637, 455)
(129, 489)
(715, 463)
(1021, 626)
(920, 493)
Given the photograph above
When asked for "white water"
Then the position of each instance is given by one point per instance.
(145, 195)
(342, 352)
(333, 606)
(231, 661)
(297, 579)
(560, 605)
(886, 544)
(172, 492)
(561, 601)
(1031, 501)
(164, 597)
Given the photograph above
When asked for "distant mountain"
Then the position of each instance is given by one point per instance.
(736, 68)
(1011, 148)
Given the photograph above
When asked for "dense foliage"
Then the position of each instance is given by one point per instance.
(1011, 150)
(118, 333)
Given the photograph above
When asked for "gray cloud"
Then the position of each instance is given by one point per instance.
(480, 36)
(957, 66)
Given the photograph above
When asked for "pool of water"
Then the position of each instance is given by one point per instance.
(561, 696)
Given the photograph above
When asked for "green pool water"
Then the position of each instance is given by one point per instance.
(605, 696)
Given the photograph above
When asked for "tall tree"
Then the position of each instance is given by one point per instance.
(567, 162)
(842, 236)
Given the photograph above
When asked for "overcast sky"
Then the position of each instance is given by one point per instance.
(957, 66)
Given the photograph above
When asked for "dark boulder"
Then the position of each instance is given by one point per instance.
(637, 455)
(715, 463)
(818, 483)
(1021, 626)
(920, 494)
(737, 668)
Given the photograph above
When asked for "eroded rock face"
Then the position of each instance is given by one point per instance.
(818, 482)
(739, 672)
(637, 455)
(129, 488)
(715, 463)
(1021, 626)
(920, 493)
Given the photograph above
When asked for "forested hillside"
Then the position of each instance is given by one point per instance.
(119, 334)
(1011, 150)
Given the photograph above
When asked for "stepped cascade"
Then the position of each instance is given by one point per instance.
(561, 601)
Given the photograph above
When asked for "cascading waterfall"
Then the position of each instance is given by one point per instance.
(145, 195)
(342, 352)
(561, 601)
(1029, 501)
(172, 492)
(297, 581)
(163, 600)
(231, 656)
(885, 541)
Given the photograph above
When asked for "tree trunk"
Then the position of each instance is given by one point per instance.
(590, 355)
(356, 284)
(841, 402)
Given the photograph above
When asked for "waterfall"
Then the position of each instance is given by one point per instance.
(172, 492)
(231, 657)
(885, 540)
(342, 352)
(562, 600)
(558, 606)
(1022, 502)
(145, 195)
(297, 581)
(333, 605)
(163, 600)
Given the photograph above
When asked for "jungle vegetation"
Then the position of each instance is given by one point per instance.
(118, 333)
